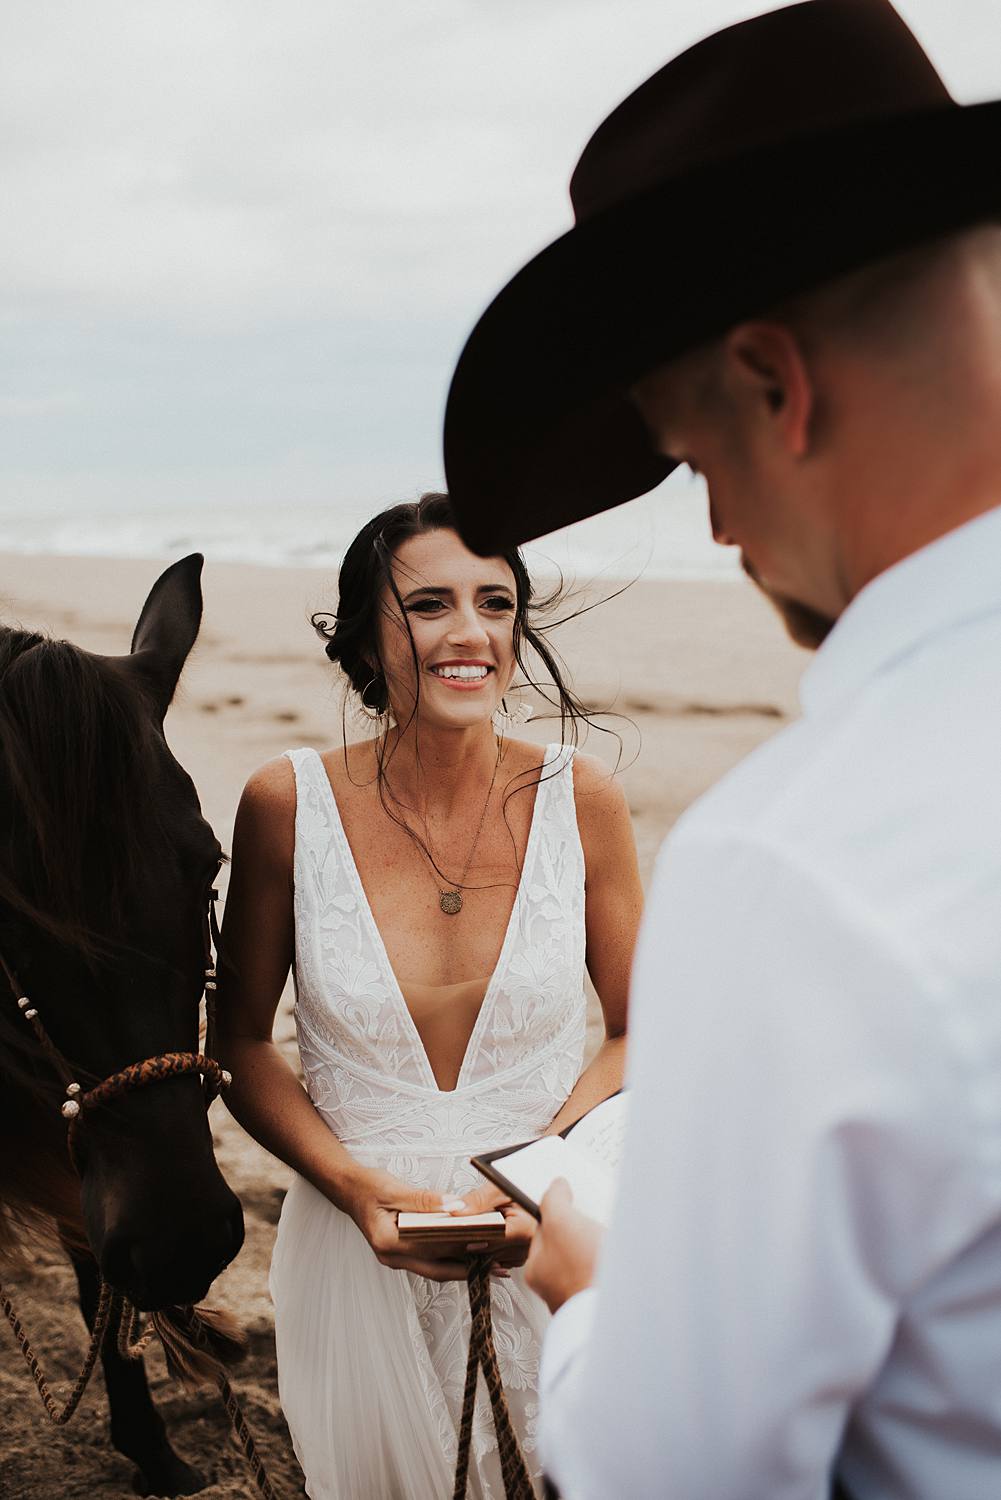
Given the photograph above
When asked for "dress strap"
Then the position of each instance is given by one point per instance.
(318, 826)
(312, 782)
(557, 789)
(305, 761)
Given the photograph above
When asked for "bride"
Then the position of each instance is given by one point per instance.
(439, 889)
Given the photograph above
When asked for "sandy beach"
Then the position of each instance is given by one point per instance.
(692, 675)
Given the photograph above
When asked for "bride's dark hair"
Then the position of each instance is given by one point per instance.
(352, 633)
(352, 637)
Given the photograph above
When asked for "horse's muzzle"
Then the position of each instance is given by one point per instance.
(176, 1265)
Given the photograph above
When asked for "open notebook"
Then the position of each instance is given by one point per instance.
(587, 1154)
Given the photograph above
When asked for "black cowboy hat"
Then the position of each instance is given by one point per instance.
(763, 161)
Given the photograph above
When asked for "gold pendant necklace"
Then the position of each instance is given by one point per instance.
(450, 901)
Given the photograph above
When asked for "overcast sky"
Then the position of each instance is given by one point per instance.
(243, 242)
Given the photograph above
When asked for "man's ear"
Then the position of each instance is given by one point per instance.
(767, 371)
(168, 627)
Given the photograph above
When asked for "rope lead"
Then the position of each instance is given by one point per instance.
(483, 1356)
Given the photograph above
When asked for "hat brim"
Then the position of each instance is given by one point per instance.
(539, 428)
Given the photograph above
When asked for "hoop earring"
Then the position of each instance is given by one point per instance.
(507, 718)
(381, 716)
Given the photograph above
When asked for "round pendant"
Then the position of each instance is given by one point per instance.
(450, 902)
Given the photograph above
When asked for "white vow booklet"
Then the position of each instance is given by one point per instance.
(587, 1154)
(437, 1229)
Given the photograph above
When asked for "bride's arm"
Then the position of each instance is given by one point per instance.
(613, 907)
(266, 1096)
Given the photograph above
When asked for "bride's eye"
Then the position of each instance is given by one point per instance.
(425, 607)
(498, 603)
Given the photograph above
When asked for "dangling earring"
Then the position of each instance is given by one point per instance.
(381, 716)
(508, 718)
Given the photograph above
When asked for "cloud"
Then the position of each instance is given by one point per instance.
(231, 159)
(238, 231)
(219, 158)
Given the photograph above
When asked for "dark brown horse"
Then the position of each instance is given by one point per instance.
(106, 865)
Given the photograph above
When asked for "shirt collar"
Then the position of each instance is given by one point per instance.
(956, 577)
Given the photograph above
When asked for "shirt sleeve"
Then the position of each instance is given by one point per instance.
(800, 1156)
(569, 1330)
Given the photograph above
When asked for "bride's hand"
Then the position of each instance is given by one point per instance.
(519, 1225)
(374, 1200)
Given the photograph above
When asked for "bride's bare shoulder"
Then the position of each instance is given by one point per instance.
(267, 807)
(272, 785)
(265, 819)
(527, 759)
(597, 790)
(351, 768)
(522, 756)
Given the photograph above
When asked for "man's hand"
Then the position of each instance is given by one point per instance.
(565, 1248)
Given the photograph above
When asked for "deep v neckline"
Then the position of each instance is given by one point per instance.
(382, 953)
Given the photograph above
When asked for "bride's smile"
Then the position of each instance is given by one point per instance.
(462, 674)
(446, 633)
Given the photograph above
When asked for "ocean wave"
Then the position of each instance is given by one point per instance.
(645, 538)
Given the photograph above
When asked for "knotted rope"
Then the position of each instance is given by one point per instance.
(482, 1356)
(140, 1075)
(60, 1415)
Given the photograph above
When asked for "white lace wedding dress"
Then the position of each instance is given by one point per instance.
(371, 1360)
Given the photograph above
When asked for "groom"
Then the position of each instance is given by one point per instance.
(786, 273)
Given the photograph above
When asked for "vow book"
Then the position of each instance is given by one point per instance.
(587, 1154)
(443, 1230)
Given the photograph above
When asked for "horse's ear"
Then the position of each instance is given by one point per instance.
(168, 627)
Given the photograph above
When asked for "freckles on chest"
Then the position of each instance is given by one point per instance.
(429, 947)
(425, 944)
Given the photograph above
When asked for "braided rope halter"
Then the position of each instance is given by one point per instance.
(113, 1307)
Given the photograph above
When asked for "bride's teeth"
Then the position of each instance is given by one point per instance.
(463, 672)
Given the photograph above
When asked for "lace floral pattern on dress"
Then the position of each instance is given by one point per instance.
(367, 1072)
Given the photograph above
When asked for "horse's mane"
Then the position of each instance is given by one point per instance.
(76, 747)
(77, 819)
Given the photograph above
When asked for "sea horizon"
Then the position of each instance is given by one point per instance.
(660, 536)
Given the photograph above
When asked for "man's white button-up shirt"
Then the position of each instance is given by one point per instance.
(804, 1268)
